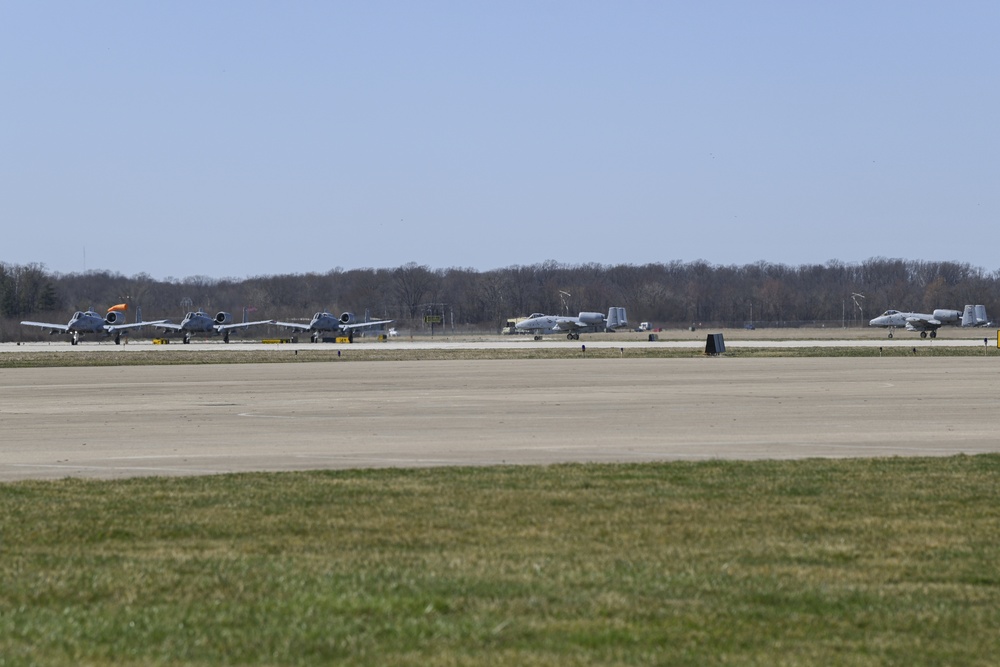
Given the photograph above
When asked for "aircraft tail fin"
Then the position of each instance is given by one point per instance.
(617, 318)
(974, 316)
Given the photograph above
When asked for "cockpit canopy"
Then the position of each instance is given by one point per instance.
(889, 312)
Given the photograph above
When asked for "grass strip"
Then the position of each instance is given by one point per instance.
(348, 354)
(816, 562)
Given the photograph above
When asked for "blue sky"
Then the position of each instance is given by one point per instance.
(233, 139)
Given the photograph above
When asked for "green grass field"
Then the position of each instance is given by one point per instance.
(817, 562)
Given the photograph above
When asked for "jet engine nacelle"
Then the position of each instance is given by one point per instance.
(115, 317)
(347, 318)
(592, 318)
(223, 318)
(947, 316)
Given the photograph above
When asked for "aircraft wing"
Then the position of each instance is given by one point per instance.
(45, 325)
(922, 324)
(361, 325)
(167, 324)
(294, 325)
(111, 328)
(237, 325)
(568, 324)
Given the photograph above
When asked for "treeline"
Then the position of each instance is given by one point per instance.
(675, 294)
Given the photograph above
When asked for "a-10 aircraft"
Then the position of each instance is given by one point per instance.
(539, 324)
(201, 322)
(929, 323)
(324, 321)
(89, 322)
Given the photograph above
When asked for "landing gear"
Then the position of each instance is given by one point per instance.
(315, 337)
(538, 337)
(187, 338)
(75, 339)
(225, 337)
(118, 339)
(573, 336)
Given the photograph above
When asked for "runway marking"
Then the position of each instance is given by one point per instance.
(167, 456)
(923, 451)
(156, 469)
(250, 414)
(352, 458)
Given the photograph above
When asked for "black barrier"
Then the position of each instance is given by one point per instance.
(715, 344)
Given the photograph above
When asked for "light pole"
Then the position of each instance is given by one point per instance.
(855, 297)
(562, 297)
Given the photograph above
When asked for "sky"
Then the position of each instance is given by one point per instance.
(233, 139)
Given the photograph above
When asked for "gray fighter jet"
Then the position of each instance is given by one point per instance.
(347, 323)
(201, 322)
(89, 322)
(540, 324)
(929, 323)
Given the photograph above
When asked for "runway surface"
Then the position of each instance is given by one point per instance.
(124, 421)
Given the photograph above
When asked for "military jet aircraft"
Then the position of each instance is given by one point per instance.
(928, 324)
(539, 324)
(89, 322)
(201, 322)
(324, 321)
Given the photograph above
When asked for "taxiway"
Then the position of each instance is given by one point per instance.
(195, 419)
